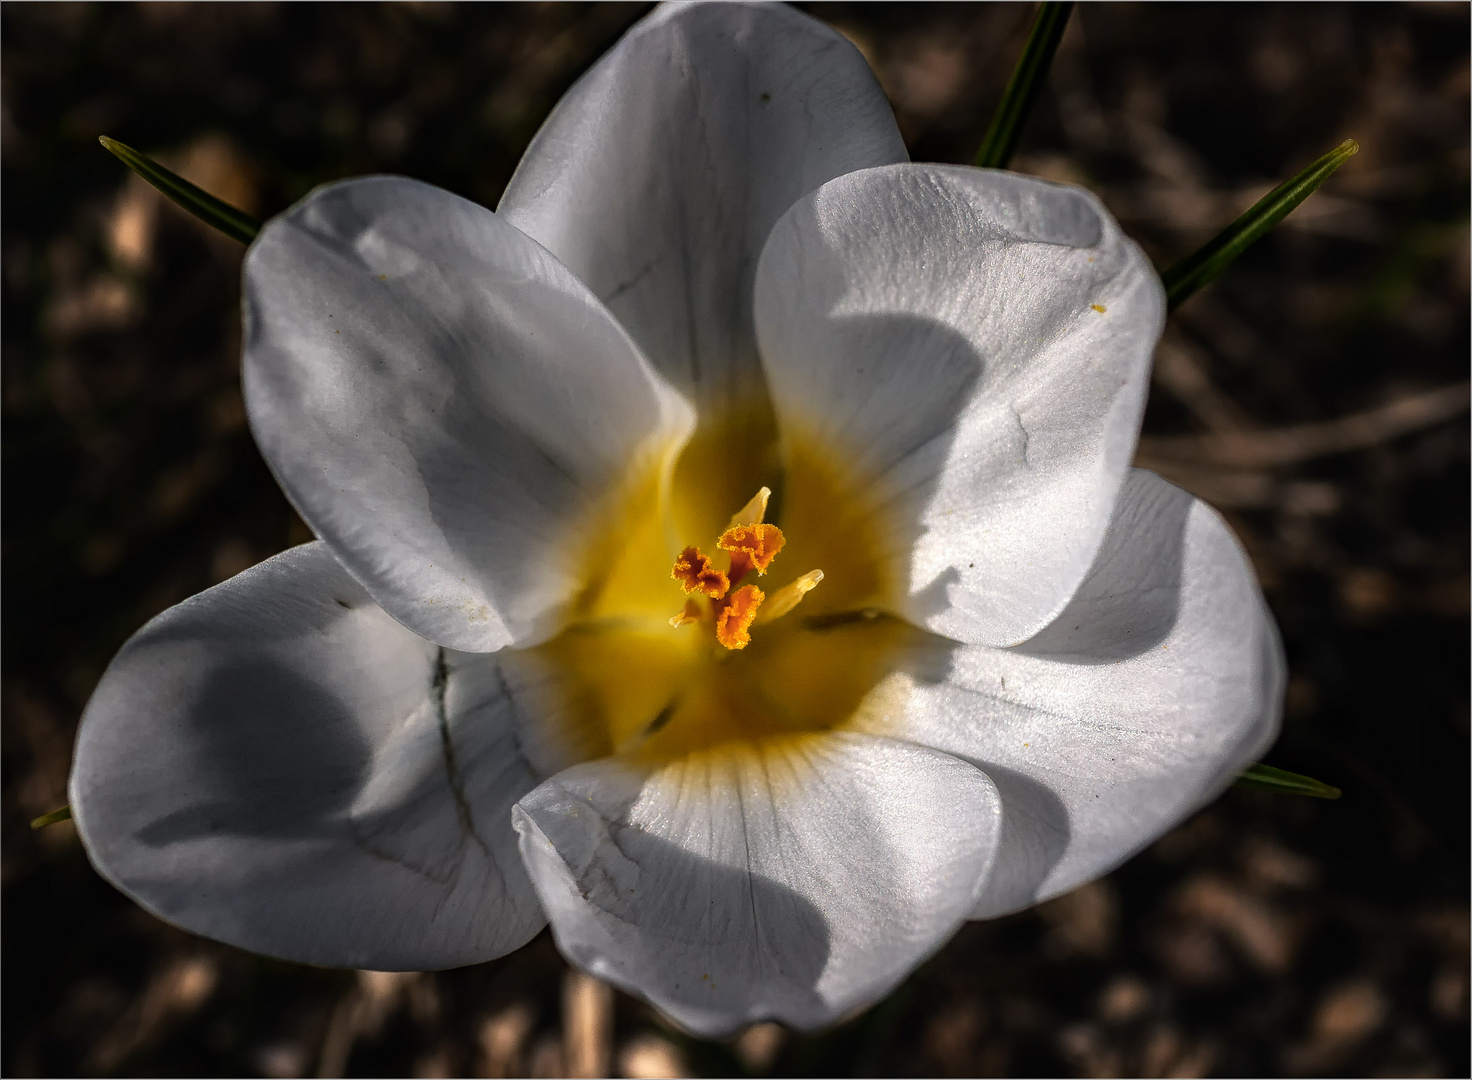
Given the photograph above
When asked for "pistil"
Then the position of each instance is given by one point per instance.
(751, 545)
(735, 616)
(695, 574)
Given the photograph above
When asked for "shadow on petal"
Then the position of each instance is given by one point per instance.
(621, 903)
(977, 344)
(277, 764)
(1034, 838)
(242, 717)
(1106, 621)
(796, 879)
(448, 776)
(885, 430)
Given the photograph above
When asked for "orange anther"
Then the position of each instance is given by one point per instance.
(695, 574)
(751, 545)
(735, 615)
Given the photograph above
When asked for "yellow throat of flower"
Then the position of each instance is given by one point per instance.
(735, 661)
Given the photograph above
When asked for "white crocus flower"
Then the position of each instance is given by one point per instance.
(484, 700)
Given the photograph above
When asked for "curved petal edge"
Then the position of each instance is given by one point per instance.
(658, 176)
(794, 881)
(1138, 705)
(277, 764)
(445, 403)
(977, 345)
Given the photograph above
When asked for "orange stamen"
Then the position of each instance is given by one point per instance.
(751, 546)
(734, 617)
(695, 574)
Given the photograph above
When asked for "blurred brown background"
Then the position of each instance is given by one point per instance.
(1317, 395)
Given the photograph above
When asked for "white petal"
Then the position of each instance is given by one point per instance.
(1157, 684)
(277, 764)
(977, 345)
(795, 882)
(660, 173)
(443, 401)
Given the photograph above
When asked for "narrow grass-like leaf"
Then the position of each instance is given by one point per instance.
(61, 813)
(1022, 89)
(1194, 271)
(236, 224)
(1283, 782)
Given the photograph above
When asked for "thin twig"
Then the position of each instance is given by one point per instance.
(1289, 445)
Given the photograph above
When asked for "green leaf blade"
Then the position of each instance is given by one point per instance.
(1206, 265)
(1282, 782)
(61, 813)
(236, 224)
(1022, 89)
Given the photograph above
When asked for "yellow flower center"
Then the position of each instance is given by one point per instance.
(736, 661)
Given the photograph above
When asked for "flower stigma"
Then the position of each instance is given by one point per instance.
(752, 545)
